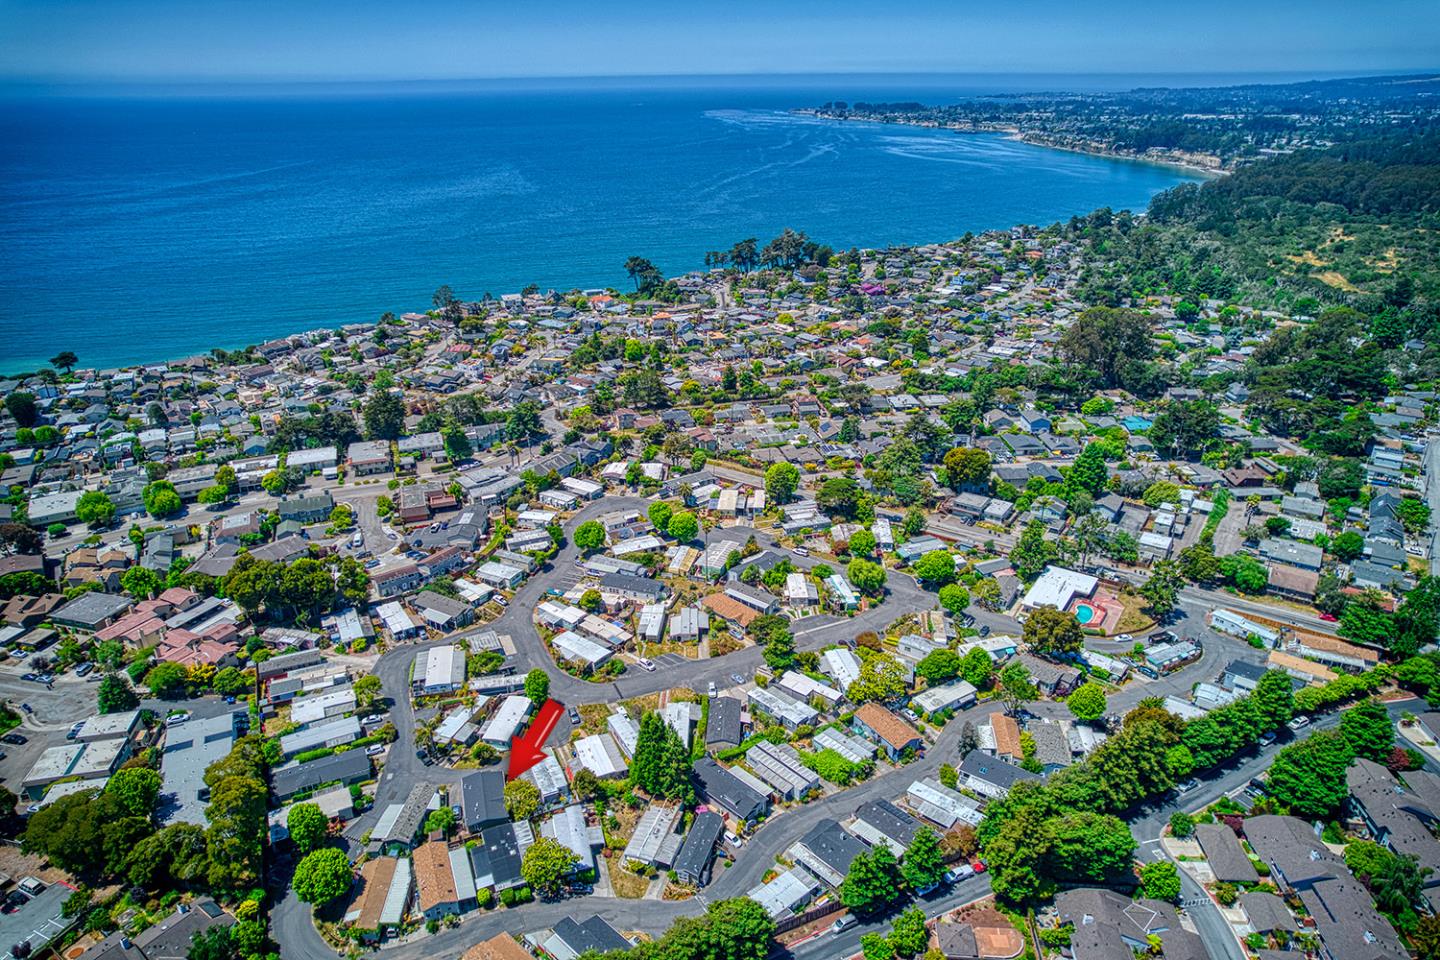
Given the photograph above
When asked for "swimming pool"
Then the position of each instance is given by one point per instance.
(1085, 613)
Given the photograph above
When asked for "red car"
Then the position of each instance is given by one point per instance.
(978, 866)
(1329, 617)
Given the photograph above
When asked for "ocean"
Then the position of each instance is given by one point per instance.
(154, 225)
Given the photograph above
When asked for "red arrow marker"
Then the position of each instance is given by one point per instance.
(525, 750)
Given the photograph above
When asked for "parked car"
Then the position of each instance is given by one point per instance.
(801, 552)
(175, 719)
(1257, 785)
(501, 600)
(1186, 787)
(646, 664)
(844, 923)
(14, 739)
(1267, 738)
(736, 678)
(1298, 723)
(373, 719)
(712, 692)
(963, 872)
(83, 670)
(32, 677)
(574, 716)
(374, 749)
(75, 729)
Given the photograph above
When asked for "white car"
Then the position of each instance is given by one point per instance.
(712, 691)
(375, 749)
(175, 719)
(647, 664)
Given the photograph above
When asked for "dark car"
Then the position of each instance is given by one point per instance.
(14, 739)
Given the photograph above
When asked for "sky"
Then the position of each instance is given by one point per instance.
(159, 40)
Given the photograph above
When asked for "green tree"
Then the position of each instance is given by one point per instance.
(114, 695)
(95, 508)
(954, 598)
(661, 764)
(867, 576)
(1032, 552)
(862, 543)
(939, 666)
(1088, 701)
(935, 568)
(1368, 730)
(589, 536)
(1160, 881)
(876, 946)
(924, 863)
(161, 500)
(840, 496)
(968, 468)
(976, 668)
(781, 482)
(64, 360)
(1162, 590)
(236, 811)
(1273, 699)
(1016, 687)
(384, 416)
(1309, 776)
(308, 827)
(23, 408)
(166, 680)
(683, 526)
(1399, 884)
(1051, 632)
(443, 820)
(881, 679)
(135, 790)
(213, 495)
(141, 583)
(217, 943)
(659, 514)
(1182, 824)
(1104, 341)
(872, 882)
(1088, 473)
(537, 686)
(322, 876)
(546, 864)
(1413, 514)
(522, 799)
(908, 934)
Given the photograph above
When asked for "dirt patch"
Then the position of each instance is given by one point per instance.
(592, 717)
(1308, 258)
(1134, 619)
(1332, 278)
(626, 884)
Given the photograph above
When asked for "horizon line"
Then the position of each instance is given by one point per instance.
(74, 79)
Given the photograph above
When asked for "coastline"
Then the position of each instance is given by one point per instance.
(1032, 139)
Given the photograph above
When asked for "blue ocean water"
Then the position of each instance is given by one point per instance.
(141, 228)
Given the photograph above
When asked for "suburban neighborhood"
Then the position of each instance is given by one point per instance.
(888, 600)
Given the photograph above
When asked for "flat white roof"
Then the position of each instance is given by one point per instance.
(1057, 586)
(507, 719)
